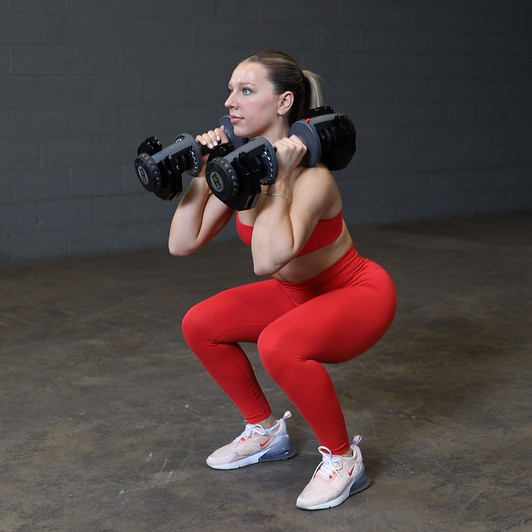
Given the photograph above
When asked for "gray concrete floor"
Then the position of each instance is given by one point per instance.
(106, 417)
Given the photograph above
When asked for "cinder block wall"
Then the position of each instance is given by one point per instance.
(439, 91)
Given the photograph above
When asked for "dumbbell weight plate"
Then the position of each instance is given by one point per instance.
(222, 179)
(309, 137)
(342, 146)
(147, 172)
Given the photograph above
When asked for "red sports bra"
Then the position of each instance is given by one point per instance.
(325, 233)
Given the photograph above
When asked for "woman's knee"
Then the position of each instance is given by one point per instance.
(197, 324)
(191, 324)
(274, 352)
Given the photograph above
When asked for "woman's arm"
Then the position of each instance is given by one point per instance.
(291, 208)
(200, 216)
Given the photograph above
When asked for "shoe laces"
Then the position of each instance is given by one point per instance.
(250, 430)
(329, 465)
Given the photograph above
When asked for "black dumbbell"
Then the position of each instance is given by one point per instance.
(236, 178)
(159, 169)
(329, 138)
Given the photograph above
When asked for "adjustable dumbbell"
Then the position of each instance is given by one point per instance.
(159, 169)
(329, 138)
(236, 178)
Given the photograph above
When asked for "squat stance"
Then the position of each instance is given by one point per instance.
(322, 303)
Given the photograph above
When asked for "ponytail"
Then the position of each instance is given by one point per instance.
(313, 90)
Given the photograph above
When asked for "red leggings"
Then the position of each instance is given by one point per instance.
(332, 318)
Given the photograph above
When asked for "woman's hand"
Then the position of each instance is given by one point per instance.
(210, 139)
(213, 137)
(290, 152)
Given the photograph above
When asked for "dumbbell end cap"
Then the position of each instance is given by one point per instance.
(147, 172)
(222, 179)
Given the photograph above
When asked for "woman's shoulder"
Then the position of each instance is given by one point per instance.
(316, 176)
(317, 187)
(315, 179)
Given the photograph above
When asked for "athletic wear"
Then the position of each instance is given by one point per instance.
(255, 444)
(325, 233)
(332, 318)
(335, 479)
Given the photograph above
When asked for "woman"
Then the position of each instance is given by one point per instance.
(324, 304)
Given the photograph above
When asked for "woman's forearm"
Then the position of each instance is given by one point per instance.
(197, 219)
(273, 239)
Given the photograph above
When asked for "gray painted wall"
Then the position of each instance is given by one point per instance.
(439, 91)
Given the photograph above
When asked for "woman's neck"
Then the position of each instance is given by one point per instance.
(276, 132)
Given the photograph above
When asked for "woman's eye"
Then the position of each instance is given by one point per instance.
(245, 90)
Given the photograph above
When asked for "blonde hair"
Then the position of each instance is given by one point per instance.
(315, 94)
(285, 75)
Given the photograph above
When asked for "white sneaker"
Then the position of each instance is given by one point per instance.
(334, 480)
(255, 444)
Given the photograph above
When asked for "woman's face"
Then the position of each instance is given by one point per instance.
(252, 103)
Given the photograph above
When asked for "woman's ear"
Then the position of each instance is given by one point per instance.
(286, 100)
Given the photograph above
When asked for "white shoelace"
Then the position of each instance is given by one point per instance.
(259, 429)
(329, 465)
(252, 429)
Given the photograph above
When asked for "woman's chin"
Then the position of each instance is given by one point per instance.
(241, 131)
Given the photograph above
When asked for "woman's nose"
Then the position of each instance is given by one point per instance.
(230, 102)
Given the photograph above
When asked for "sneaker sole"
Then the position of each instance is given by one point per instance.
(285, 454)
(357, 486)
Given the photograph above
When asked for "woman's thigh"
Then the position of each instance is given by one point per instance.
(239, 314)
(335, 326)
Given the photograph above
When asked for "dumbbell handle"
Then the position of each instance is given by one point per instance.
(203, 150)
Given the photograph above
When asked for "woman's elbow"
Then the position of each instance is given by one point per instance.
(268, 262)
(179, 249)
(265, 268)
(261, 270)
